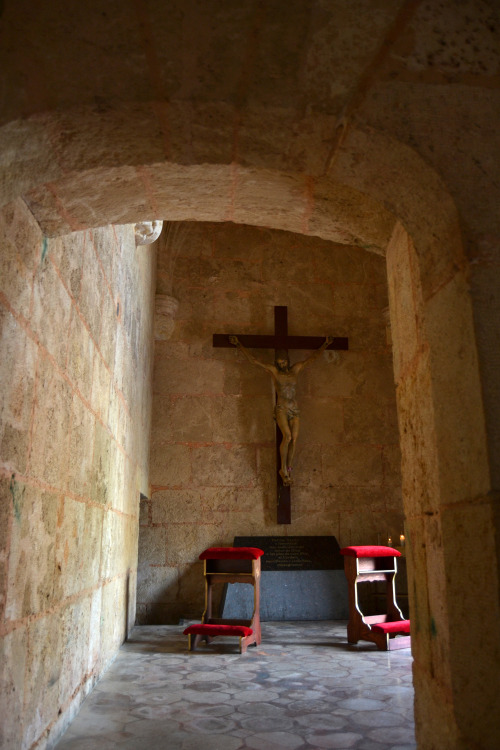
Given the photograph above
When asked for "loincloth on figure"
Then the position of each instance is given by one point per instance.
(291, 412)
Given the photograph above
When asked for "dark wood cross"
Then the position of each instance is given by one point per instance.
(280, 340)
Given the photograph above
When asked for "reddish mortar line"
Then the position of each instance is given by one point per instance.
(101, 539)
(154, 69)
(235, 140)
(417, 297)
(31, 481)
(161, 109)
(76, 307)
(19, 317)
(65, 377)
(118, 391)
(148, 187)
(97, 351)
(33, 409)
(89, 676)
(74, 225)
(486, 499)
(229, 215)
(72, 414)
(412, 365)
(309, 207)
(10, 625)
(248, 59)
(402, 19)
(119, 318)
(207, 444)
(117, 243)
(99, 262)
(465, 503)
(96, 345)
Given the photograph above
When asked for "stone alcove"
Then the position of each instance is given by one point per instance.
(409, 215)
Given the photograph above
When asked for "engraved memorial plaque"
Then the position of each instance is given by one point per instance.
(302, 579)
(296, 552)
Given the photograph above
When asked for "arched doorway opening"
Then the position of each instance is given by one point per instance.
(445, 470)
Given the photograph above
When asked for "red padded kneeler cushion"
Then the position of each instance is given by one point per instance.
(403, 626)
(213, 630)
(231, 553)
(370, 551)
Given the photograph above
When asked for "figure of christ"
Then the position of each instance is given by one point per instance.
(286, 411)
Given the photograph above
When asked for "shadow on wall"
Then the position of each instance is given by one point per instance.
(159, 600)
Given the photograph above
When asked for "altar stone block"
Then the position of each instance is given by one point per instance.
(302, 579)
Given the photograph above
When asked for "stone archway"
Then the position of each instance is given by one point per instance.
(445, 480)
(445, 470)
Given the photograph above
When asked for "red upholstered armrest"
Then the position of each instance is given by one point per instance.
(213, 630)
(231, 553)
(401, 626)
(370, 551)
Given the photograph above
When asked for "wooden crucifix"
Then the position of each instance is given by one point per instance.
(281, 342)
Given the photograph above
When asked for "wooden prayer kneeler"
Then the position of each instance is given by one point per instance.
(374, 563)
(229, 565)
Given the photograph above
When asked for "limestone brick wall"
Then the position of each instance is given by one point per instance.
(448, 507)
(75, 365)
(213, 449)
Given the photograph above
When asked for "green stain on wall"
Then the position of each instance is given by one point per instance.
(45, 247)
(17, 496)
(434, 631)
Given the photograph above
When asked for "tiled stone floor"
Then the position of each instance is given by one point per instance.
(304, 688)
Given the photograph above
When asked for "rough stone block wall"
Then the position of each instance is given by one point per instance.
(448, 506)
(213, 435)
(76, 338)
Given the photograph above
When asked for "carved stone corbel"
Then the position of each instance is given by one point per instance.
(147, 232)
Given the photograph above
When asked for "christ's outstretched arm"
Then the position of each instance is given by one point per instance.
(237, 343)
(298, 366)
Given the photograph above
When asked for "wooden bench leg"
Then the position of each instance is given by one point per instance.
(354, 630)
(194, 641)
(249, 640)
(401, 641)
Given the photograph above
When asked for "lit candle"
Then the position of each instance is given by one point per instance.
(389, 540)
(401, 540)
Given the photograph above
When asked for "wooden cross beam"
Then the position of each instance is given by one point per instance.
(280, 340)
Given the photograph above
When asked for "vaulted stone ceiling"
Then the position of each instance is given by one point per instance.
(101, 91)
